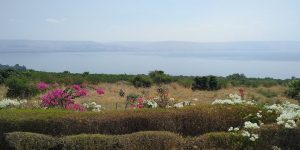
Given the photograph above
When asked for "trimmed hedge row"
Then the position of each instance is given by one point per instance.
(155, 140)
(189, 121)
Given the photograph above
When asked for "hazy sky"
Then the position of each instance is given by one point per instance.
(151, 20)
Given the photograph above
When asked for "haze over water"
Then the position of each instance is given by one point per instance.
(262, 59)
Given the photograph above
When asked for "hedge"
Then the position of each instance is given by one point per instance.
(189, 121)
(28, 141)
(156, 140)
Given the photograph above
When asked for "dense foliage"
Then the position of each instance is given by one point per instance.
(159, 77)
(294, 89)
(142, 81)
(20, 88)
(206, 83)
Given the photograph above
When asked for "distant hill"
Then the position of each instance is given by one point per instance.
(274, 50)
(15, 67)
(11, 46)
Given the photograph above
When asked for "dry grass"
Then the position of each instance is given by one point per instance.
(179, 93)
(3, 90)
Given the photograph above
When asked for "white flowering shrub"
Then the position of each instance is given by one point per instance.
(288, 113)
(150, 104)
(182, 104)
(12, 103)
(92, 106)
(247, 130)
(233, 100)
(288, 116)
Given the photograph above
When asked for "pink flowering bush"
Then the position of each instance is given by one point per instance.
(75, 106)
(59, 98)
(140, 102)
(42, 86)
(100, 91)
(134, 101)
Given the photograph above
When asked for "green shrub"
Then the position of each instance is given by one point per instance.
(91, 141)
(142, 81)
(159, 77)
(236, 79)
(30, 141)
(206, 83)
(151, 140)
(219, 140)
(293, 90)
(20, 88)
(4, 74)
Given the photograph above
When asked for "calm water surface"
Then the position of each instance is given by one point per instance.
(130, 63)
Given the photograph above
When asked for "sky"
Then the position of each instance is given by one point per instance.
(151, 20)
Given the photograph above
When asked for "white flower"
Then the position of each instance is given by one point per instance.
(252, 139)
(250, 125)
(288, 113)
(150, 103)
(172, 99)
(178, 105)
(246, 133)
(93, 106)
(258, 115)
(98, 106)
(236, 129)
(276, 148)
(230, 129)
(233, 100)
(290, 124)
(5, 103)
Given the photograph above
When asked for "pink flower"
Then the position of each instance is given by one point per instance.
(75, 107)
(140, 102)
(76, 87)
(42, 86)
(100, 91)
(64, 98)
(81, 92)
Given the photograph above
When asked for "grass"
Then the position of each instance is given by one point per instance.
(176, 91)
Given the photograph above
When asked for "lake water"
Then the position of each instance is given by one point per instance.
(138, 63)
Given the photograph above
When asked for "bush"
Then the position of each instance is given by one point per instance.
(30, 141)
(4, 74)
(20, 88)
(136, 141)
(219, 140)
(269, 135)
(206, 83)
(293, 90)
(142, 81)
(236, 79)
(159, 77)
(191, 121)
